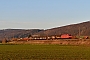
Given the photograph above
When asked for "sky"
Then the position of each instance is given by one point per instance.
(42, 14)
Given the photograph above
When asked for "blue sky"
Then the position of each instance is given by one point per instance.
(43, 14)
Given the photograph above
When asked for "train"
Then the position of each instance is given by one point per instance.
(62, 36)
(53, 37)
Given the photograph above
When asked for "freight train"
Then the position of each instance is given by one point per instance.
(53, 37)
(63, 36)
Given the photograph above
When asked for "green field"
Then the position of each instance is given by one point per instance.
(44, 52)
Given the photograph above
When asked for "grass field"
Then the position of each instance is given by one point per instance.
(44, 52)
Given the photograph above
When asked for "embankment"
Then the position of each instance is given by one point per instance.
(61, 41)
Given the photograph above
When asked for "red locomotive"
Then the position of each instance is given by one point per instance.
(66, 36)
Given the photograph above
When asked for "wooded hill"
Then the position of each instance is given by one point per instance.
(73, 29)
(17, 33)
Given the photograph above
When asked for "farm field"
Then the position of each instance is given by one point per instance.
(43, 52)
